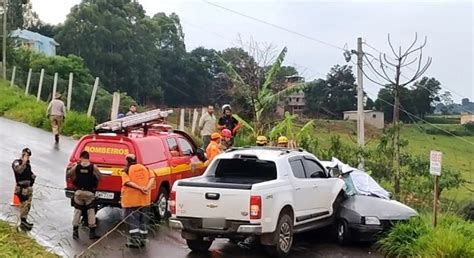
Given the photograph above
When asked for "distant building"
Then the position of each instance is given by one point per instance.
(295, 102)
(371, 117)
(466, 118)
(34, 41)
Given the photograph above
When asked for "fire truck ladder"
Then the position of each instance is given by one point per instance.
(122, 124)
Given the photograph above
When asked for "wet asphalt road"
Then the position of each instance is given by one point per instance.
(52, 215)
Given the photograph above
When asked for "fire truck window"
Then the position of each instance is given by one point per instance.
(173, 147)
(185, 147)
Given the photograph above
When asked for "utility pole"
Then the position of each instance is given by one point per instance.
(4, 44)
(360, 101)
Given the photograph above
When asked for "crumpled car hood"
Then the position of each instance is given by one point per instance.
(378, 207)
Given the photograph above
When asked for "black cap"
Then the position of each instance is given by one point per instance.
(84, 155)
(26, 150)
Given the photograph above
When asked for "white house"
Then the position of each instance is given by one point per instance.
(371, 117)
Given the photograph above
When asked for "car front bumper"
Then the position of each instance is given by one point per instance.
(232, 228)
(369, 233)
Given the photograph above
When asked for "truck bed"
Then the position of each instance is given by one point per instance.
(238, 183)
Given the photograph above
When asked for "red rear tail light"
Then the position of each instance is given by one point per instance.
(255, 207)
(173, 202)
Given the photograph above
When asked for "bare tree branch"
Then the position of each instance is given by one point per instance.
(412, 45)
(391, 47)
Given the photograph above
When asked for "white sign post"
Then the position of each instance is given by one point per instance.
(435, 170)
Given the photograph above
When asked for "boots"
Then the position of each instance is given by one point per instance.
(56, 138)
(25, 225)
(75, 233)
(92, 234)
(134, 241)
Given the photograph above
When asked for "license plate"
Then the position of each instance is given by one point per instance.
(104, 195)
(213, 223)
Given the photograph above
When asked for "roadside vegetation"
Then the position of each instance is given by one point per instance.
(17, 244)
(16, 106)
(453, 237)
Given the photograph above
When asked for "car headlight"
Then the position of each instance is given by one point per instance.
(371, 221)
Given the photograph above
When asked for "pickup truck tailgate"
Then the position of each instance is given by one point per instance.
(200, 202)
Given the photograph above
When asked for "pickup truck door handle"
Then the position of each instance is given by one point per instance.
(315, 186)
(298, 188)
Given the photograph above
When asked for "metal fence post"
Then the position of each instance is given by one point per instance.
(69, 91)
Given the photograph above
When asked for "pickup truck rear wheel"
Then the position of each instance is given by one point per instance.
(199, 245)
(282, 237)
(160, 207)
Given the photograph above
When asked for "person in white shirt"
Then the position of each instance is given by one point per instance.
(57, 113)
(207, 125)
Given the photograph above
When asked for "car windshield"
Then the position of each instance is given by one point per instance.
(359, 182)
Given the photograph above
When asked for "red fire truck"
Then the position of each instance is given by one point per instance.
(170, 154)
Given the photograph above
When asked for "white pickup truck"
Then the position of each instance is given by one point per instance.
(269, 193)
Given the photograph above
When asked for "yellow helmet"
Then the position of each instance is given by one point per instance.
(282, 140)
(262, 140)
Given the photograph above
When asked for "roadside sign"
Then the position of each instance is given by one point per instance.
(435, 163)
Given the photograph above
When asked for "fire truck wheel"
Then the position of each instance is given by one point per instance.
(160, 207)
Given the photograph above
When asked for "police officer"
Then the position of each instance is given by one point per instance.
(25, 178)
(85, 176)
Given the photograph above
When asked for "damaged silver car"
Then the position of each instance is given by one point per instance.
(368, 210)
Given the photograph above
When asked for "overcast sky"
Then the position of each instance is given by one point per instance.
(449, 26)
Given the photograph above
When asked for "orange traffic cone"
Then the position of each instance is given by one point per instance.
(15, 200)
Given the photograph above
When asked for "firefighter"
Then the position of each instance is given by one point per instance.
(24, 178)
(214, 147)
(226, 140)
(227, 121)
(137, 183)
(282, 142)
(261, 141)
(85, 178)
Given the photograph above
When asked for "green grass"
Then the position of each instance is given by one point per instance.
(458, 151)
(458, 154)
(18, 244)
(16, 106)
(453, 237)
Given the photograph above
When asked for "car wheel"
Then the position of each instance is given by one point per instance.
(282, 237)
(343, 232)
(199, 245)
(160, 207)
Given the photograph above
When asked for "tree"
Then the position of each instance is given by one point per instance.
(447, 102)
(256, 85)
(118, 43)
(333, 96)
(424, 94)
(399, 60)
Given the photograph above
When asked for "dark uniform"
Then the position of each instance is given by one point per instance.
(25, 178)
(229, 122)
(85, 181)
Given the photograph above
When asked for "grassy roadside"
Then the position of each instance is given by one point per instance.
(453, 237)
(17, 244)
(16, 106)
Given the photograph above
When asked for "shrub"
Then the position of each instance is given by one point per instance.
(16, 106)
(453, 237)
(77, 124)
(469, 126)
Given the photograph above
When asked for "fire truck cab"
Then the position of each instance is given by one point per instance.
(170, 154)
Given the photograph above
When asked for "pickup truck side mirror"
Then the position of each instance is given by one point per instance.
(201, 155)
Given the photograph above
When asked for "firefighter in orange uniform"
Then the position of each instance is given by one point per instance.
(214, 148)
(137, 182)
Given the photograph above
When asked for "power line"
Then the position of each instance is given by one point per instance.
(409, 68)
(275, 26)
(426, 122)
